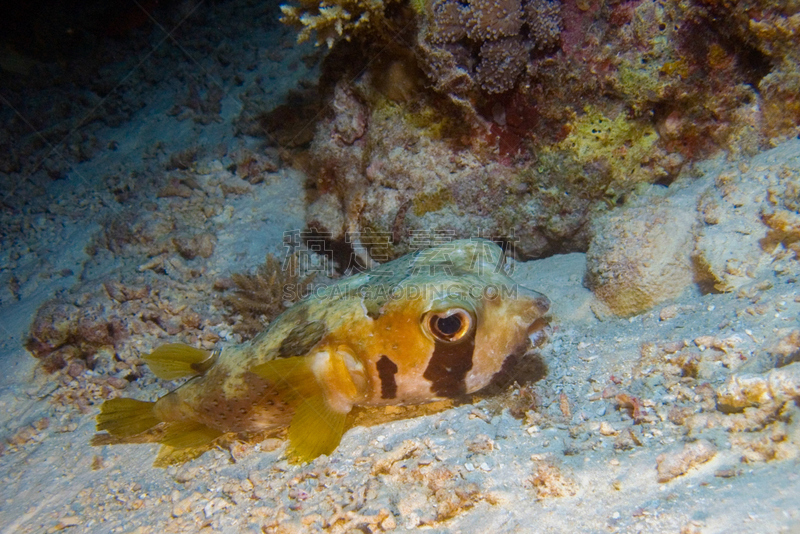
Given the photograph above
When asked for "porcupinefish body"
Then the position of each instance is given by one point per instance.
(435, 324)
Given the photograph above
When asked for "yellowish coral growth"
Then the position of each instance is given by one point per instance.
(425, 120)
(623, 144)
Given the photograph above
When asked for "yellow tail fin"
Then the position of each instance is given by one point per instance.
(126, 417)
(176, 360)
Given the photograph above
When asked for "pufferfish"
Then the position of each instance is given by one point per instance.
(435, 324)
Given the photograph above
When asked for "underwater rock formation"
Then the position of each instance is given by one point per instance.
(408, 171)
(750, 224)
(726, 231)
(771, 27)
(639, 256)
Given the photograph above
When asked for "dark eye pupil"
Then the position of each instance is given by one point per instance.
(448, 325)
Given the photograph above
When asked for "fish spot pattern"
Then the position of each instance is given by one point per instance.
(233, 413)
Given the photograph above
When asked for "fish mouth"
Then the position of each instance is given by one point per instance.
(542, 304)
(539, 303)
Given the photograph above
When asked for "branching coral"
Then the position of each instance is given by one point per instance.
(334, 20)
(260, 297)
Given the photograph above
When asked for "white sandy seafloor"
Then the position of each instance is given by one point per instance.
(579, 463)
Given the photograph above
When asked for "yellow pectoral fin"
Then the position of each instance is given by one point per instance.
(322, 390)
(293, 377)
(176, 360)
(316, 429)
(126, 417)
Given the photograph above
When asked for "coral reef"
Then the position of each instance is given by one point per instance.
(566, 108)
(396, 170)
(721, 232)
(596, 138)
(525, 119)
(502, 32)
(770, 27)
(501, 63)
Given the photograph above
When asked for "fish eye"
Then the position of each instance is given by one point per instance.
(450, 325)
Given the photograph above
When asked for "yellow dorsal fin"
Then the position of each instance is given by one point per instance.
(176, 360)
(188, 435)
(126, 417)
(315, 429)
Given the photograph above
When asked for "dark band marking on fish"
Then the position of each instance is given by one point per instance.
(302, 339)
(506, 373)
(386, 371)
(449, 366)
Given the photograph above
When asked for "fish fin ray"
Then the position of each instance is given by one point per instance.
(292, 377)
(124, 417)
(315, 429)
(176, 360)
(188, 435)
